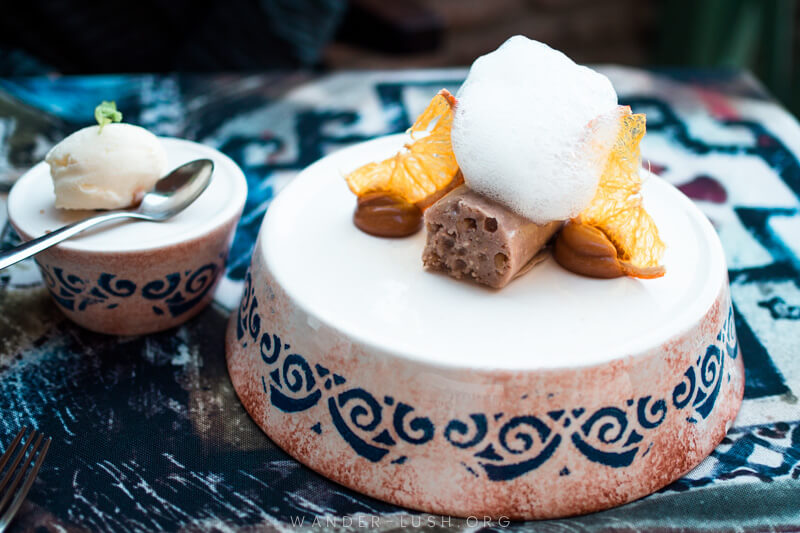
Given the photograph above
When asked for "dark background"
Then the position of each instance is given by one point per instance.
(89, 36)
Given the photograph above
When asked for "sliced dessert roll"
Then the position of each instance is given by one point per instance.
(473, 237)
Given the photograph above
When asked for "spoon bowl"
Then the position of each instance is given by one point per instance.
(177, 190)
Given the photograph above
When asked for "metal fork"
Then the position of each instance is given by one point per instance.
(24, 474)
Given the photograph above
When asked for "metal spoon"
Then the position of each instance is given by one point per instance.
(172, 194)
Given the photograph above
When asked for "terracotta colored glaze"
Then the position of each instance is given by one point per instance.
(521, 444)
(559, 395)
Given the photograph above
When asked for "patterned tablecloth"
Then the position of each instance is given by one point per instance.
(148, 431)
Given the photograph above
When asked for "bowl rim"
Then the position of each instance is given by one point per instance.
(237, 185)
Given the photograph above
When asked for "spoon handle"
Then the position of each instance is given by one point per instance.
(33, 247)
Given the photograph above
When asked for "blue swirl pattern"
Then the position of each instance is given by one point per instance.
(728, 335)
(503, 447)
(175, 294)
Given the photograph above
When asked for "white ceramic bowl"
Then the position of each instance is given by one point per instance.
(135, 277)
(557, 395)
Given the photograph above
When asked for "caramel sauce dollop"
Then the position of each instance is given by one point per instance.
(386, 215)
(587, 251)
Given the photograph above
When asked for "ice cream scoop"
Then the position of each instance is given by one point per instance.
(105, 167)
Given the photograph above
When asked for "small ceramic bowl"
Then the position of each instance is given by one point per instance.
(554, 396)
(135, 277)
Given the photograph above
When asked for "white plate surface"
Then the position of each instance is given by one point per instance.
(31, 206)
(376, 292)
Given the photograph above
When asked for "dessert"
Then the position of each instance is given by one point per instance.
(108, 166)
(554, 395)
(586, 250)
(386, 215)
(616, 211)
(472, 236)
(538, 141)
(422, 171)
(459, 375)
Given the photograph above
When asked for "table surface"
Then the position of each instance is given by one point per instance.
(148, 432)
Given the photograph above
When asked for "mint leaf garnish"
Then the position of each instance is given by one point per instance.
(106, 113)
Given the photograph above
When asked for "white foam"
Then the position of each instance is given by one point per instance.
(521, 130)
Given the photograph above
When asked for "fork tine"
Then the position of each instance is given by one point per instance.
(11, 447)
(22, 471)
(5, 520)
(16, 461)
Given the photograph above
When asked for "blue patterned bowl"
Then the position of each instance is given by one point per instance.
(557, 395)
(135, 277)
